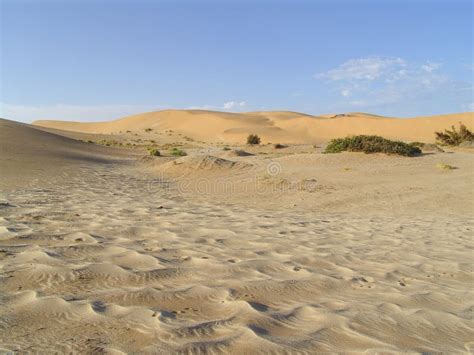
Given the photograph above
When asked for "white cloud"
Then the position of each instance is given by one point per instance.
(429, 67)
(233, 104)
(28, 113)
(345, 92)
(379, 81)
(226, 106)
(367, 69)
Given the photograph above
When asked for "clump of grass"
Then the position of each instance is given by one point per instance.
(444, 166)
(454, 137)
(176, 152)
(153, 152)
(109, 142)
(253, 139)
(148, 129)
(226, 148)
(371, 144)
(279, 146)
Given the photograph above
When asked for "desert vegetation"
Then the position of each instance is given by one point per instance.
(153, 152)
(176, 152)
(253, 139)
(444, 166)
(455, 137)
(371, 144)
(109, 142)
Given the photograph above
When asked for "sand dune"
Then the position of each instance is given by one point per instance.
(28, 154)
(305, 253)
(286, 127)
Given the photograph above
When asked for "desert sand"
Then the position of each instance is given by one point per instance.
(283, 127)
(242, 249)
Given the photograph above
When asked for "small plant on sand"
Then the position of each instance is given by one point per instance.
(454, 137)
(176, 152)
(371, 144)
(226, 148)
(253, 139)
(444, 166)
(148, 130)
(109, 142)
(279, 146)
(153, 152)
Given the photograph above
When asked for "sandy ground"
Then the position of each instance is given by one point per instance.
(286, 250)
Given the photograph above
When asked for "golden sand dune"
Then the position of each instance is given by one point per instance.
(287, 127)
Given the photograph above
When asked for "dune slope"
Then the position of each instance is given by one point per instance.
(289, 127)
(28, 154)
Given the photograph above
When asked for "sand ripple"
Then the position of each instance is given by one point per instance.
(95, 266)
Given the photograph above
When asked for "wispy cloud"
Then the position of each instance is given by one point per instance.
(26, 113)
(345, 92)
(233, 104)
(376, 81)
(429, 67)
(469, 106)
(366, 69)
(226, 106)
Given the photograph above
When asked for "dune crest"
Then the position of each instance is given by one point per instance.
(273, 126)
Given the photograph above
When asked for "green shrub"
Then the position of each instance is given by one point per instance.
(253, 139)
(371, 144)
(154, 152)
(176, 152)
(455, 137)
(444, 166)
(109, 142)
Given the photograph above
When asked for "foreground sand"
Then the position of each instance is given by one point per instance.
(341, 253)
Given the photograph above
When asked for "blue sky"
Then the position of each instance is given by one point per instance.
(99, 60)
